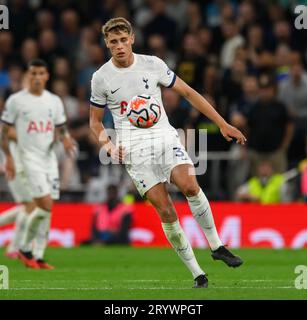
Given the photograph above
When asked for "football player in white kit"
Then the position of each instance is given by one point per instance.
(128, 74)
(36, 114)
(21, 194)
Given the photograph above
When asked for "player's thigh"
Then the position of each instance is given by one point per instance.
(178, 168)
(161, 200)
(20, 188)
(183, 176)
(41, 188)
(145, 177)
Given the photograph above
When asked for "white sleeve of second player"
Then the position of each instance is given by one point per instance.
(98, 97)
(167, 77)
(9, 113)
(60, 116)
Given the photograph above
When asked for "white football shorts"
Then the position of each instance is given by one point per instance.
(42, 183)
(20, 188)
(151, 162)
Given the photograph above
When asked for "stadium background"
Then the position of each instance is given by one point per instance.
(216, 47)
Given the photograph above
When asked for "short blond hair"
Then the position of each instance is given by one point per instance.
(116, 25)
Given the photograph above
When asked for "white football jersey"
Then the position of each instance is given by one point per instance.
(35, 119)
(115, 87)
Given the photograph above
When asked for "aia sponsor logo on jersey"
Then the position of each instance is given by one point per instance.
(40, 127)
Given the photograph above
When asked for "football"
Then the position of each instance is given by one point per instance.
(143, 111)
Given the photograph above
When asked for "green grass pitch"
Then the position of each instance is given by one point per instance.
(151, 273)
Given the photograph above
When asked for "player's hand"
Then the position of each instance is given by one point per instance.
(229, 132)
(71, 147)
(9, 168)
(116, 152)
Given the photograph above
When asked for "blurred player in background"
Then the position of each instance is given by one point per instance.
(128, 74)
(21, 195)
(36, 115)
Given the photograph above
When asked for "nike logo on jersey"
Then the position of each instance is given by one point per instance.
(114, 90)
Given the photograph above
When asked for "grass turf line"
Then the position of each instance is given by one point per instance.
(152, 273)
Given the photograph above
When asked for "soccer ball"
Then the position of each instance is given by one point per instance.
(143, 111)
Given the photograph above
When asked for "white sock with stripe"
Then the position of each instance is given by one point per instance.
(33, 223)
(20, 226)
(41, 239)
(180, 243)
(201, 210)
(9, 216)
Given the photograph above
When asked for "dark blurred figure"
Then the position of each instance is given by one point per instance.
(293, 93)
(48, 46)
(45, 20)
(232, 40)
(96, 60)
(193, 17)
(29, 51)
(112, 220)
(215, 179)
(270, 128)
(161, 24)
(232, 81)
(241, 108)
(191, 64)
(211, 82)
(88, 160)
(247, 16)
(63, 70)
(69, 34)
(20, 17)
(7, 48)
(177, 114)
(157, 47)
(60, 88)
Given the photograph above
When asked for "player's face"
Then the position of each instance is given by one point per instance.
(37, 78)
(120, 45)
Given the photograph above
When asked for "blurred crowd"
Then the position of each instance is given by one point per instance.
(245, 57)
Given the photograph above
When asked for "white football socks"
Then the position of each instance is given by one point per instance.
(9, 216)
(201, 210)
(20, 226)
(34, 221)
(180, 243)
(41, 239)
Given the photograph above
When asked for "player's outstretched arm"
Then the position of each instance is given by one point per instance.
(202, 105)
(9, 164)
(99, 131)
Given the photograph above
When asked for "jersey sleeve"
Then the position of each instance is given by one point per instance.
(9, 113)
(98, 96)
(60, 116)
(166, 76)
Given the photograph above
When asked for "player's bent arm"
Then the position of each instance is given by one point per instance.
(5, 139)
(99, 131)
(65, 137)
(12, 135)
(203, 106)
(9, 164)
(96, 126)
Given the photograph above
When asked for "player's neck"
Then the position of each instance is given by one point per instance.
(36, 92)
(124, 64)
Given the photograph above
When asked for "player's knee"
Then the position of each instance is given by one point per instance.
(191, 189)
(44, 203)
